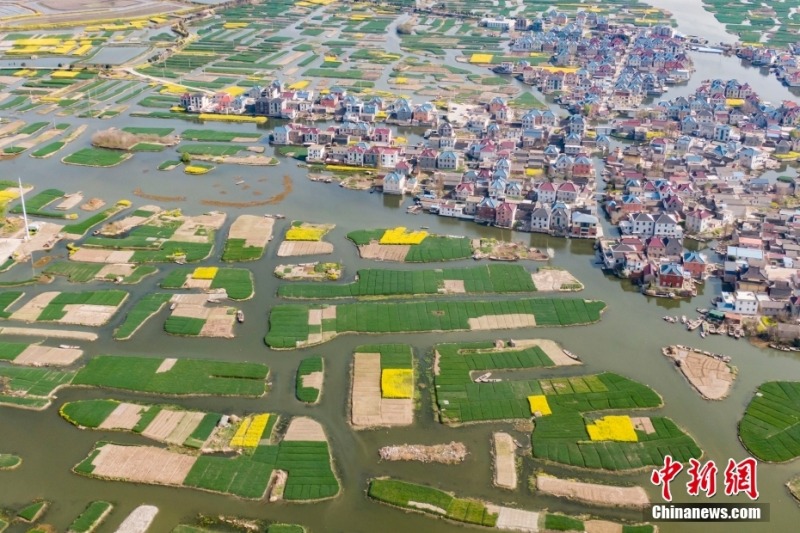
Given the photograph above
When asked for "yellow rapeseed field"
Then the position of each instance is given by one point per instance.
(397, 383)
(398, 235)
(64, 74)
(234, 90)
(195, 170)
(298, 85)
(232, 118)
(235, 25)
(616, 428)
(304, 234)
(250, 431)
(539, 403)
(734, 102)
(82, 50)
(481, 58)
(205, 272)
(534, 171)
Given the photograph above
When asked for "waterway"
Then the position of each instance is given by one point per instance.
(628, 340)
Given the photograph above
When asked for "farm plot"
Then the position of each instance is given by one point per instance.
(205, 135)
(97, 157)
(496, 278)
(91, 518)
(85, 272)
(9, 461)
(295, 325)
(191, 377)
(429, 500)
(38, 355)
(35, 206)
(305, 238)
(317, 271)
(207, 149)
(79, 229)
(247, 238)
(310, 374)
(382, 388)
(146, 307)
(31, 388)
(236, 282)
(770, 427)
(592, 493)
(417, 247)
(195, 315)
(81, 308)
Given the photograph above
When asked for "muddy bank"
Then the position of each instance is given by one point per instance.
(452, 453)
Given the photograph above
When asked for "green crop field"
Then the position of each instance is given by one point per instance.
(432, 249)
(210, 149)
(237, 282)
(88, 413)
(161, 132)
(147, 147)
(31, 387)
(560, 522)
(308, 366)
(187, 377)
(80, 228)
(35, 205)
(496, 278)
(85, 272)
(11, 350)
(219, 136)
(91, 518)
(400, 493)
(55, 309)
(96, 157)
(32, 128)
(184, 325)
(770, 427)
(6, 299)
(142, 310)
(9, 461)
(146, 236)
(235, 250)
(32, 512)
(289, 323)
(49, 149)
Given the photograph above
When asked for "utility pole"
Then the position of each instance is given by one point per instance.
(24, 212)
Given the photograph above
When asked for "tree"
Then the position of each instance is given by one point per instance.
(186, 159)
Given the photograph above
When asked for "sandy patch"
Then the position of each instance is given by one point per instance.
(427, 507)
(313, 380)
(550, 348)
(125, 416)
(505, 465)
(166, 365)
(94, 255)
(37, 355)
(454, 286)
(709, 376)
(510, 321)
(304, 428)
(605, 495)
(87, 314)
(384, 252)
(515, 519)
(643, 423)
(31, 310)
(139, 520)
(329, 312)
(50, 333)
(192, 283)
(548, 279)
(292, 248)
(142, 464)
(315, 317)
(123, 269)
(255, 230)
(70, 202)
(601, 526)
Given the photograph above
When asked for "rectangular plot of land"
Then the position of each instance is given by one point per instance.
(163, 424)
(34, 307)
(185, 427)
(256, 231)
(292, 248)
(314, 317)
(142, 464)
(37, 355)
(87, 314)
(366, 390)
(125, 416)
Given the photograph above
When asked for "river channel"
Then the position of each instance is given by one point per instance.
(627, 340)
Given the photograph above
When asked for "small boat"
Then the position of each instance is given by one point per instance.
(279, 216)
(683, 319)
(240, 182)
(240, 316)
(424, 227)
(702, 310)
(483, 378)
(703, 334)
(69, 347)
(173, 305)
(570, 355)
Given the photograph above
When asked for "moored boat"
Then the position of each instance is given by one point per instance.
(240, 316)
(69, 347)
(570, 355)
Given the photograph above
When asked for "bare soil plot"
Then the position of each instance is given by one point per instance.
(709, 375)
(87, 314)
(643, 424)
(219, 323)
(452, 453)
(329, 312)
(293, 248)
(368, 408)
(163, 424)
(93, 204)
(515, 519)
(505, 462)
(70, 201)
(125, 416)
(187, 232)
(551, 279)
(454, 286)
(142, 464)
(605, 495)
(384, 252)
(192, 283)
(96, 255)
(255, 230)
(50, 333)
(128, 223)
(550, 348)
(313, 380)
(37, 355)
(139, 520)
(601, 526)
(44, 239)
(510, 321)
(166, 365)
(115, 270)
(315, 317)
(302, 428)
(31, 310)
(427, 507)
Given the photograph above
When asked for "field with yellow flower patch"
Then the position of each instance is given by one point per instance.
(397, 383)
(400, 235)
(249, 432)
(237, 282)
(305, 231)
(614, 428)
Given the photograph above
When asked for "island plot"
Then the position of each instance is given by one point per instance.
(294, 326)
(317, 271)
(147, 306)
(165, 237)
(198, 315)
(708, 373)
(497, 278)
(93, 308)
(310, 375)
(247, 238)
(305, 238)
(431, 501)
(122, 273)
(770, 427)
(397, 244)
(236, 283)
(295, 466)
(91, 518)
(382, 386)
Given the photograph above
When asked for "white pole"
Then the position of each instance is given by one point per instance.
(24, 213)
